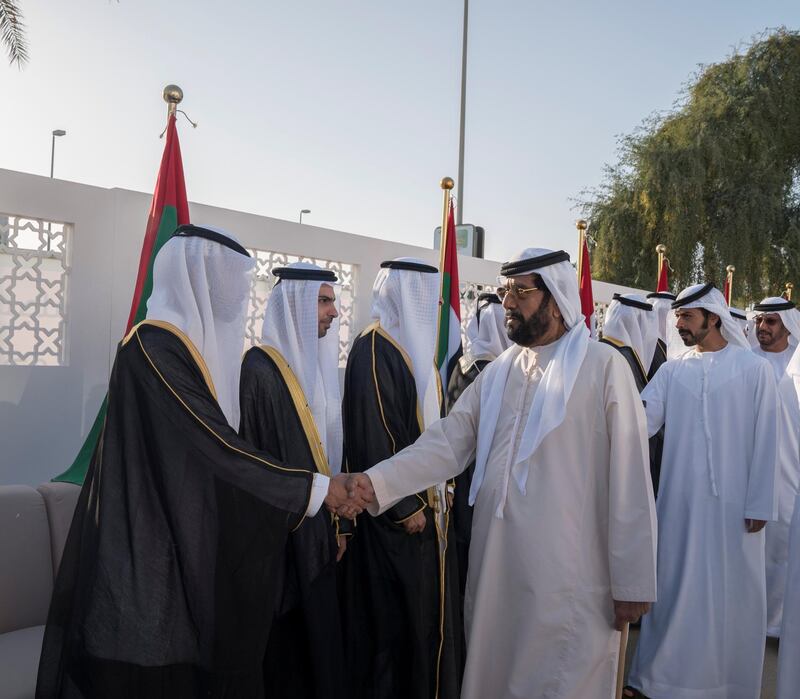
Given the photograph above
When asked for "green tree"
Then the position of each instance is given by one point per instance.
(717, 180)
(12, 32)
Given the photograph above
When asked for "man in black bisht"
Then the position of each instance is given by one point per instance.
(631, 327)
(487, 339)
(401, 607)
(291, 405)
(167, 583)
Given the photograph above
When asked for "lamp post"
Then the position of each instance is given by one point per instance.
(57, 132)
(304, 211)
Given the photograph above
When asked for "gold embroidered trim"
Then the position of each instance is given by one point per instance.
(618, 343)
(302, 408)
(210, 430)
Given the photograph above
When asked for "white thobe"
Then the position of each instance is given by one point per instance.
(539, 613)
(788, 665)
(776, 544)
(705, 635)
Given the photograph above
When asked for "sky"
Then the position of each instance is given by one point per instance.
(350, 108)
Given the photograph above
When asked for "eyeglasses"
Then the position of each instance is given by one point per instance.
(517, 292)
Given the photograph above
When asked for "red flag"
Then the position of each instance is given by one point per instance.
(585, 286)
(663, 283)
(168, 210)
(726, 292)
(449, 343)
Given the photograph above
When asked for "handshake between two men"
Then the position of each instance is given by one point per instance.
(349, 494)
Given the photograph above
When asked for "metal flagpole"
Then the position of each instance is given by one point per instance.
(788, 292)
(623, 651)
(730, 269)
(463, 115)
(581, 225)
(661, 249)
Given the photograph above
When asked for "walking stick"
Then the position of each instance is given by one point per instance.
(623, 650)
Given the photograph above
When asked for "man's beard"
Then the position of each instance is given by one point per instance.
(528, 332)
(690, 339)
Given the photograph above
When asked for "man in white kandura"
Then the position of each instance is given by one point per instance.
(776, 326)
(563, 539)
(719, 405)
(788, 667)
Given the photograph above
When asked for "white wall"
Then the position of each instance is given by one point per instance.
(45, 412)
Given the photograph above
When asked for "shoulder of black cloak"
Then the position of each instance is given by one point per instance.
(639, 374)
(379, 408)
(174, 491)
(659, 358)
(275, 418)
(465, 372)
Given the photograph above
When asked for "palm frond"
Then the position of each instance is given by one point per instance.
(12, 32)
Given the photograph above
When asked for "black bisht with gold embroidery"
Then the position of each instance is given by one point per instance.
(403, 629)
(167, 582)
(305, 657)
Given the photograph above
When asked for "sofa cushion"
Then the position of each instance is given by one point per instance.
(26, 572)
(19, 662)
(60, 500)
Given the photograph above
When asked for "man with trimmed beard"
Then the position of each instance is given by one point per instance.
(719, 406)
(776, 325)
(563, 540)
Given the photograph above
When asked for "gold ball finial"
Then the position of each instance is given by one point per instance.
(581, 224)
(661, 249)
(447, 183)
(789, 285)
(173, 94)
(730, 268)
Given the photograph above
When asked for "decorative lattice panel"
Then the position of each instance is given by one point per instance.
(266, 261)
(34, 267)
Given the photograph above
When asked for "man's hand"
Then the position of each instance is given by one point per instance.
(754, 525)
(341, 542)
(359, 485)
(416, 523)
(628, 612)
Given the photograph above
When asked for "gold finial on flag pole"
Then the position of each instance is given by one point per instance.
(730, 269)
(173, 96)
(661, 249)
(788, 292)
(581, 225)
(447, 185)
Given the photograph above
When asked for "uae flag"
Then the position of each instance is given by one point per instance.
(168, 210)
(585, 286)
(663, 282)
(449, 346)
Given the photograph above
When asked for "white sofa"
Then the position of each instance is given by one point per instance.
(34, 523)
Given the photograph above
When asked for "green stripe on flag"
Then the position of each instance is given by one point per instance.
(444, 322)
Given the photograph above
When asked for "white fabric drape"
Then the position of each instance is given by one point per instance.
(662, 307)
(406, 303)
(634, 327)
(486, 332)
(202, 287)
(291, 327)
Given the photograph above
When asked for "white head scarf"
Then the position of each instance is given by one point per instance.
(486, 332)
(662, 305)
(201, 286)
(789, 316)
(634, 327)
(291, 327)
(710, 298)
(549, 406)
(406, 303)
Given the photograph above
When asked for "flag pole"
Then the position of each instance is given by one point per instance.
(581, 225)
(447, 185)
(788, 292)
(730, 269)
(623, 651)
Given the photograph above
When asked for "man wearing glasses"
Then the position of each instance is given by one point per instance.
(564, 534)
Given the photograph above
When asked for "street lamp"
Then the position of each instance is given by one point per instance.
(57, 132)
(304, 211)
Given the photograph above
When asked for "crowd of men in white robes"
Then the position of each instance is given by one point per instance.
(568, 542)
